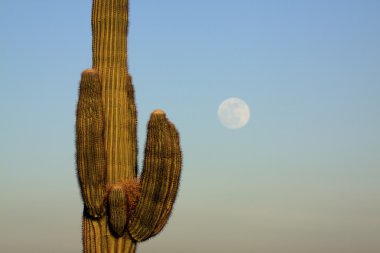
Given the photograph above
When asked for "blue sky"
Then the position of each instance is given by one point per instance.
(302, 176)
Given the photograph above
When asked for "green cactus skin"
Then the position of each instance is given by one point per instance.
(120, 209)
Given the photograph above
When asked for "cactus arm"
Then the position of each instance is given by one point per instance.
(173, 165)
(90, 157)
(159, 179)
(118, 210)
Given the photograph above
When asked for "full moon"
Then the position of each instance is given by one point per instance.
(233, 113)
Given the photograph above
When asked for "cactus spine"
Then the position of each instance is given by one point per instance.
(120, 209)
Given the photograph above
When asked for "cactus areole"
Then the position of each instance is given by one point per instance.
(119, 208)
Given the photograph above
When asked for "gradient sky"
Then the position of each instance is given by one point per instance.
(302, 176)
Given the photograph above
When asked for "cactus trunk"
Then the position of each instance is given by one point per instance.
(119, 208)
(109, 28)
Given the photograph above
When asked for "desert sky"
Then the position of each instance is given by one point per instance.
(303, 176)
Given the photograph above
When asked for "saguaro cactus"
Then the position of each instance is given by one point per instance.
(119, 208)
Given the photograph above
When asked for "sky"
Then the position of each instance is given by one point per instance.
(302, 176)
